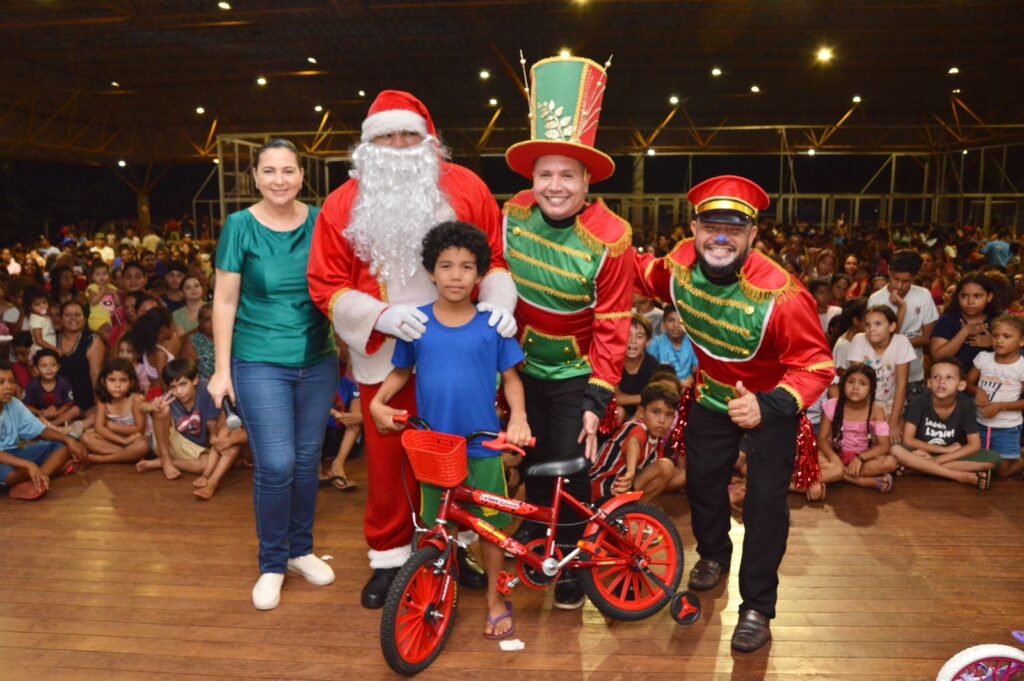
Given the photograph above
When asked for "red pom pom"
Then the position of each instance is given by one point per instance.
(806, 470)
(675, 447)
(610, 421)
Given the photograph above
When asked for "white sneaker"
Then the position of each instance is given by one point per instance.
(312, 568)
(266, 595)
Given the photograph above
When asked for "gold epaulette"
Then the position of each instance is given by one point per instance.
(596, 243)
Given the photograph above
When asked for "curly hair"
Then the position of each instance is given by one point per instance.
(455, 234)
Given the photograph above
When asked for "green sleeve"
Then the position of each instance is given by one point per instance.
(230, 254)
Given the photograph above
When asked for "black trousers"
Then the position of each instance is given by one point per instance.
(554, 411)
(712, 446)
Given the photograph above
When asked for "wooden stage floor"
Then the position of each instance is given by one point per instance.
(120, 576)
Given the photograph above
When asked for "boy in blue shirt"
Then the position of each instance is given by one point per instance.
(456, 361)
(674, 347)
(26, 471)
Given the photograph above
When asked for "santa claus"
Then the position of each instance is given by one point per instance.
(365, 274)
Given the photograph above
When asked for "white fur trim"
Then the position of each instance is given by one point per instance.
(391, 558)
(499, 289)
(396, 120)
(354, 315)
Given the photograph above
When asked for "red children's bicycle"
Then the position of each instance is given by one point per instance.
(630, 559)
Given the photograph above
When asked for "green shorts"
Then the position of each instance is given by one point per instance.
(984, 456)
(487, 474)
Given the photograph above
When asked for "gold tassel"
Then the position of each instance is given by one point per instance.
(516, 210)
(762, 295)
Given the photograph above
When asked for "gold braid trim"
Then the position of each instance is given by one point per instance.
(383, 290)
(710, 381)
(527, 234)
(829, 364)
(763, 295)
(792, 391)
(714, 322)
(720, 343)
(575, 297)
(602, 384)
(613, 315)
(516, 210)
(596, 244)
(573, 276)
(682, 275)
(334, 299)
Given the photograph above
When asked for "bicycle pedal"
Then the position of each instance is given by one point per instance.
(506, 582)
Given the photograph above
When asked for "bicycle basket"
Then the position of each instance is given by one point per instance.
(436, 458)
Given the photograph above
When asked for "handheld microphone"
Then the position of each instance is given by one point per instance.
(233, 421)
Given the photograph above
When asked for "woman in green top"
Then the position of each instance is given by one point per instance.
(276, 352)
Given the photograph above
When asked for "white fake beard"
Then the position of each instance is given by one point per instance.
(399, 200)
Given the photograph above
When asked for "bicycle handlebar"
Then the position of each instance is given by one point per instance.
(497, 444)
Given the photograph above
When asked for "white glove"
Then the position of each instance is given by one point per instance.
(402, 321)
(503, 317)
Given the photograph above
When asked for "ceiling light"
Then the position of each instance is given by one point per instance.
(216, 161)
(224, 5)
(564, 52)
(114, 83)
(122, 163)
(311, 60)
(956, 91)
(824, 54)
(200, 110)
(484, 74)
(362, 93)
(755, 89)
(856, 99)
(673, 100)
(492, 101)
(716, 72)
(261, 81)
(810, 152)
(651, 152)
(953, 70)
(318, 108)
(965, 152)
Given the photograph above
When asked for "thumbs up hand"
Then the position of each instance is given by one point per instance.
(744, 409)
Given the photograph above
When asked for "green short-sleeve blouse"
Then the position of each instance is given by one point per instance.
(277, 322)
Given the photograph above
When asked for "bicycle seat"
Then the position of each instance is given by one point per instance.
(561, 468)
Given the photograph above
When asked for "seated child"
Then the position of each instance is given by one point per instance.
(48, 395)
(630, 459)
(189, 431)
(22, 347)
(854, 434)
(26, 471)
(456, 361)
(674, 347)
(118, 435)
(637, 369)
(997, 381)
(37, 306)
(343, 428)
(941, 436)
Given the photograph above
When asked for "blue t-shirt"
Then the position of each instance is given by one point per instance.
(456, 368)
(997, 252)
(17, 423)
(192, 423)
(347, 392)
(683, 360)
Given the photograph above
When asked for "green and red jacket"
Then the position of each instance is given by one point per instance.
(763, 329)
(575, 294)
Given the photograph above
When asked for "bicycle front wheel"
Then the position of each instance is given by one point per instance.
(418, 613)
(627, 591)
(989, 661)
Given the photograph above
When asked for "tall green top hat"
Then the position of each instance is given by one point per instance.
(565, 106)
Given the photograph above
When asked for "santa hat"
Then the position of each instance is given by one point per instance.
(397, 111)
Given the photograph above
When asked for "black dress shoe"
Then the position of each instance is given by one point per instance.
(471, 574)
(376, 590)
(751, 631)
(706, 574)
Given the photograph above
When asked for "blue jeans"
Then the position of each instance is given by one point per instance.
(285, 412)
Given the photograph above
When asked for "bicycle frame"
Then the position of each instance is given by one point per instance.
(453, 509)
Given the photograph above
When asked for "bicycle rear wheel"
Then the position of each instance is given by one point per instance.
(418, 613)
(627, 591)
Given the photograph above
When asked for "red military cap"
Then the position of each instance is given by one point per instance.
(728, 199)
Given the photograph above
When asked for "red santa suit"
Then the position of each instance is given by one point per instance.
(343, 286)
